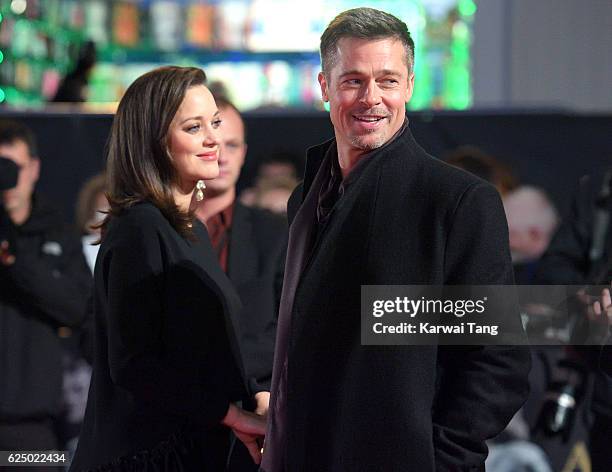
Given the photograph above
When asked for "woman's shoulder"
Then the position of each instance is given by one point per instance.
(139, 223)
(141, 215)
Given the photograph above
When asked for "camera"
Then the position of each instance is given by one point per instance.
(9, 171)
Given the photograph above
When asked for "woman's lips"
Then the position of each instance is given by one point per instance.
(208, 156)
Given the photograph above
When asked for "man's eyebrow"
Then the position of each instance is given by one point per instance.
(358, 72)
(199, 117)
(350, 72)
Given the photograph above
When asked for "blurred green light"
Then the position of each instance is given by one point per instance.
(2, 96)
(1, 18)
(1, 57)
(466, 7)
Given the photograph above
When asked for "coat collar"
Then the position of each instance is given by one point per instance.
(316, 154)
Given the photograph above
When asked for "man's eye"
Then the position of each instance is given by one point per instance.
(216, 123)
(352, 82)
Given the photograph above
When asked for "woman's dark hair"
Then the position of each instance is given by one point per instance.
(139, 166)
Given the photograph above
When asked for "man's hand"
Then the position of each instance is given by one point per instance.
(248, 427)
(263, 402)
(6, 258)
(602, 309)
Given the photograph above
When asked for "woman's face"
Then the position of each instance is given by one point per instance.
(193, 138)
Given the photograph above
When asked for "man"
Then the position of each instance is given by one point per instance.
(250, 245)
(44, 285)
(374, 208)
(532, 221)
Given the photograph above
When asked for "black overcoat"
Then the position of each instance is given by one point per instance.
(407, 219)
(166, 358)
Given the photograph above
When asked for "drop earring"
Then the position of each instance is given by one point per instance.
(200, 186)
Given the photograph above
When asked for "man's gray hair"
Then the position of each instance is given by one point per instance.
(364, 23)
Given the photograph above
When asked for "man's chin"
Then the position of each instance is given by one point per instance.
(214, 188)
(369, 141)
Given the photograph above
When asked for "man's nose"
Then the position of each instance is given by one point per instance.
(370, 94)
(222, 153)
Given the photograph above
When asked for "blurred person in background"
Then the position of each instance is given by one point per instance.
(532, 222)
(250, 246)
(603, 308)
(167, 366)
(272, 193)
(581, 254)
(44, 285)
(280, 166)
(91, 208)
(481, 164)
(73, 87)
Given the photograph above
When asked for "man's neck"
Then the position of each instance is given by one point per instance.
(348, 159)
(211, 205)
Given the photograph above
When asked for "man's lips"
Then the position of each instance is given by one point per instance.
(369, 118)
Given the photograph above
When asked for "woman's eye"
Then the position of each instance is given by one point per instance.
(216, 123)
(193, 129)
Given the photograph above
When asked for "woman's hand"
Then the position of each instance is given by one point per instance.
(248, 428)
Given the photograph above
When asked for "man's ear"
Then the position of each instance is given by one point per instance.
(35, 169)
(410, 88)
(323, 84)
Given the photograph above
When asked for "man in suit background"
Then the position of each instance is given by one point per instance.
(375, 209)
(250, 245)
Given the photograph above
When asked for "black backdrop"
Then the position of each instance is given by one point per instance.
(546, 148)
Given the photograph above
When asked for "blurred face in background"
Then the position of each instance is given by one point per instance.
(19, 198)
(232, 153)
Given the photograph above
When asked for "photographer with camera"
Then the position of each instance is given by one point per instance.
(44, 285)
(581, 254)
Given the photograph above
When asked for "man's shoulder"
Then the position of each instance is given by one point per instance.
(414, 168)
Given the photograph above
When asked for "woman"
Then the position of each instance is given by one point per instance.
(166, 365)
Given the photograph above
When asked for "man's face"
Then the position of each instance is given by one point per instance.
(19, 197)
(367, 89)
(231, 153)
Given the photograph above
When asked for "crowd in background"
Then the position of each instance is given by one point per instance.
(532, 220)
